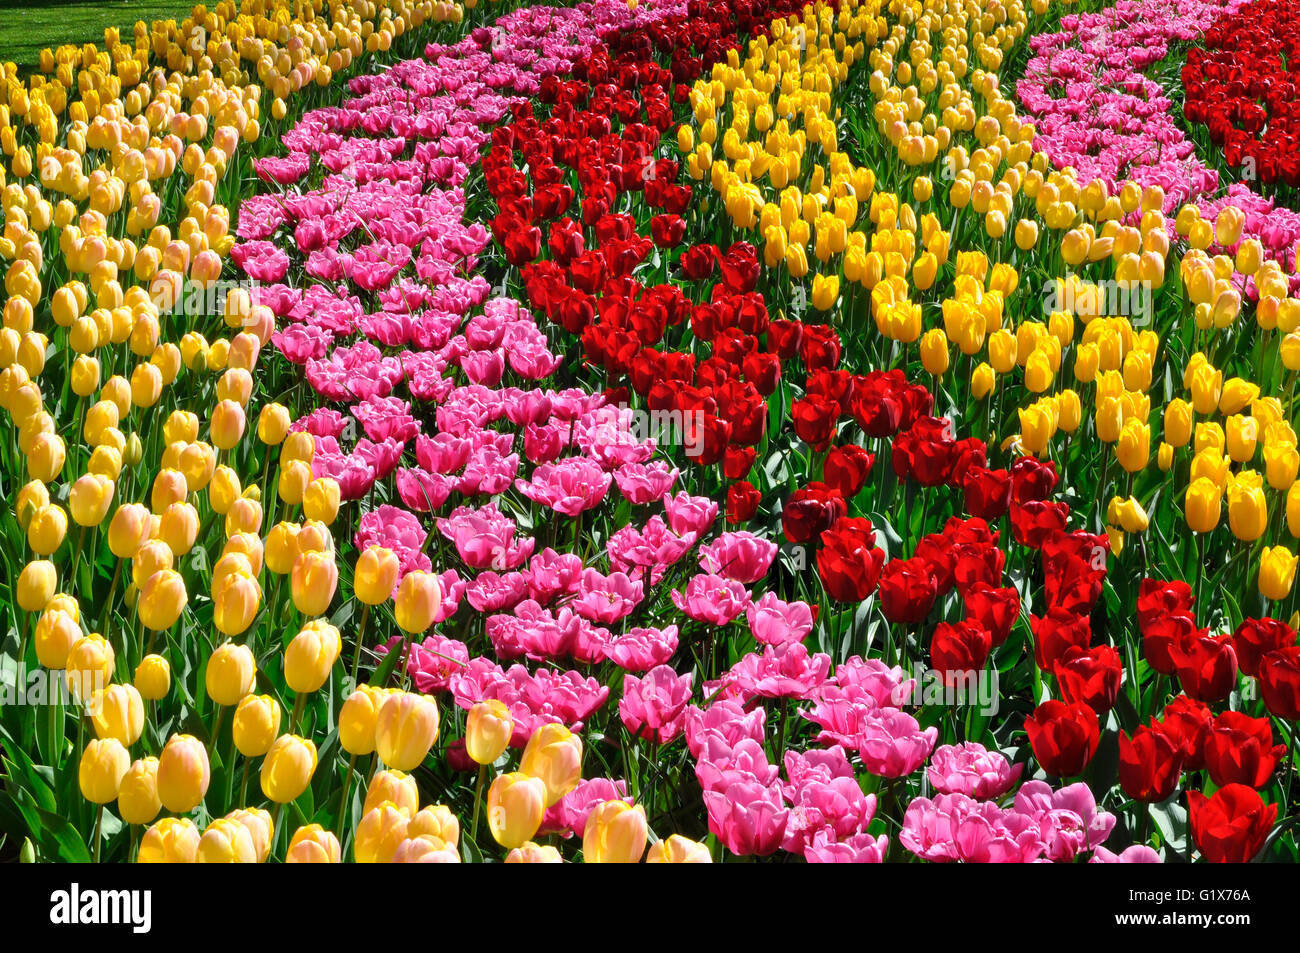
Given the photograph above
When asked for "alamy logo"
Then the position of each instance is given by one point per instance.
(75, 906)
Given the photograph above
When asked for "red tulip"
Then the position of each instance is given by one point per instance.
(1064, 737)
(1150, 764)
(1231, 826)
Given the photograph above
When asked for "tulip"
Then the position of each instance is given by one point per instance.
(293, 481)
(288, 768)
(615, 834)
(376, 574)
(515, 805)
(256, 725)
(173, 840)
(162, 599)
(418, 599)
(230, 673)
(226, 427)
(1134, 447)
(314, 578)
(47, 529)
(530, 853)
(311, 655)
(260, 826)
(425, 849)
(89, 667)
(104, 763)
(223, 490)
(934, 351)
(1247, 509)
(1277, 568)
(554, 754)
(137, 797)
(1203, 505)
(89, 499)
(381, 831)
(488, 728)
(397, 787)
(183, 773)
(676, 849)
(358, 717)
(1128, 514)
(118, 712)
(1232, 826)
(320, 501)
(36, 585)
(273, 424)
(405, 729)
(226, 841)
(312, 844)
(436, 820)
(129, 529)
(56, 633)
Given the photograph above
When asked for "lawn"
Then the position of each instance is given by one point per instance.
(27, 27)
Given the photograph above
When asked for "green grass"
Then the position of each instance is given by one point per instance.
(29, 26)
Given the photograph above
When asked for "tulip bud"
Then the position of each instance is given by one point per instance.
(419, 596)
(281, 548)
(288, 768)
(615, 834)
(1277, 568)
(162, 600)
(183, 773)
(313, 844)
(395, 786)
(530, 853)
(103, 765)
(1203, 505)
(137, 797)
(357, 719)
(488, 728)
(153, 677)
(36, 585)
(260, 826)
(118, 712)
(436, 820)
(405, 729)
(223, 490)
(256, 725)
(676, 849)
(235, 602)
(310, 656)
(379, 834)
(47, 529)
(226, 841)
(89, 666)
(320, 501)
(515, 805)
(56, 633)
(273, 424)
(173, 840)
(313, 581)
(129, 529)
(554, 754)
(231, 673)
(376, 574)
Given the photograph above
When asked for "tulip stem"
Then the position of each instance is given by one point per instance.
(108, 603)
(478, 802)
(243, 783)
(76, 557)
(361, 632)
(343, 802)
(99, 829)
(298, 704)
(1290, 767)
